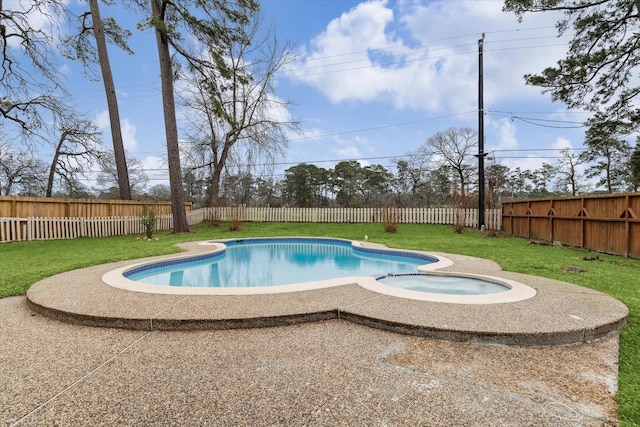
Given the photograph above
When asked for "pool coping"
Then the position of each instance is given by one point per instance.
(210, 248)
(560, 313)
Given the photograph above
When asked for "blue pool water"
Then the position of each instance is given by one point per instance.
(269, 262)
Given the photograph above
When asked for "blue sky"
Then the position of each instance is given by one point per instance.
(374, 79)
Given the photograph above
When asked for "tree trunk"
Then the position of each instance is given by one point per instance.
(171, 128)
(54, 162)
(112, 102)
(215, 186)
(52, 172)
(218, 165)
(608, 173)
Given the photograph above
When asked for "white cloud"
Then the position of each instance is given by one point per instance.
(347, 150)
(562, 143)
(530, 162)
(340, 63)
(355, 148)
(156, 170)
(128, 130)
(414, 57)
(102, 120)
(64, 69)
(307, 136)
(504, 132)
(43, 19)
(510, 49)
(128, 135)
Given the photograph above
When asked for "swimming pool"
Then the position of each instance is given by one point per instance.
(282, 265)
(275, 262)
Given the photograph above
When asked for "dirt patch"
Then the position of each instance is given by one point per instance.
(578, 379)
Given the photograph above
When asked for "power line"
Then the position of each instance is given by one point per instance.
(356, 159)
(532, 122)
(402, 60)
(398, 124)
(530, 157)
(429, 42)
(536, 149)
(382, 127)
(403, 55)
(511, 113)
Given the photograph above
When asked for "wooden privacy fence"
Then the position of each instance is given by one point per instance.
(44, 207)
(17, 229)
(448, 216)
(603, 223)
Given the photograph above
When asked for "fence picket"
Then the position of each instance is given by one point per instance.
(448, 216)
(17, 229)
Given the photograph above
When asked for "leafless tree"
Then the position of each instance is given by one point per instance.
(108, 179)
(80, 46)
(496, 180)
(78, 146)
(411, 175)
(454, 148)
(159, 192)
(18, 170)
(71, 186)
(195, 176)
(208, 23)
(567, 169)
(234, 117)
(29, 75)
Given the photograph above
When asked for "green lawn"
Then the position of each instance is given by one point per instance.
(23, 263)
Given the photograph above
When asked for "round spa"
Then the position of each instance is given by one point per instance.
(443, 284)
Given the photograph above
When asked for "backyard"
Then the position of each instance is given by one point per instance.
(613, 275)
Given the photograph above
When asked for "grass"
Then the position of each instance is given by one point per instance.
(24, 263)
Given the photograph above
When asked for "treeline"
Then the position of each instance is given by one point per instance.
(442, 172)
(349, 184)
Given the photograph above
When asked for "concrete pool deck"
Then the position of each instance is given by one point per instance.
(560, 313)
(328, 373)
(303, 373)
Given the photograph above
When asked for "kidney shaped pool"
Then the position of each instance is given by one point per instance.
(273, 262)
(280, 265)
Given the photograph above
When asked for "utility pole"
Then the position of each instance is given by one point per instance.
(481, 153)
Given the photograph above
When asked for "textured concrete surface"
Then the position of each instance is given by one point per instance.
(560, 313)
(326, 373)
(209, 360)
